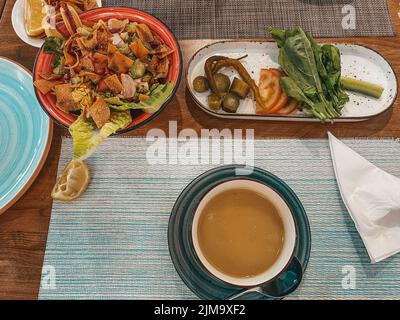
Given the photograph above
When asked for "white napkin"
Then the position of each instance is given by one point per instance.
(372, 197)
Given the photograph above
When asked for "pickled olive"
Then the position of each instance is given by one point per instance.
(234, 63)
(214, 101)
(200, 84)
(230, 103)
(222, 82)
(240, 88)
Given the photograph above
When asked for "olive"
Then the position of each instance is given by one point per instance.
(214, 101)
(200, 84)
(240, 88)
(222, 82)
(230, 103)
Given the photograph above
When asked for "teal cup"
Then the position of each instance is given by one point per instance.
(280, 279)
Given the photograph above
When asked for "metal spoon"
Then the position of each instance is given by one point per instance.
(283, 285)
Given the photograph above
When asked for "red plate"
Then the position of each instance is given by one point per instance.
(43, 63)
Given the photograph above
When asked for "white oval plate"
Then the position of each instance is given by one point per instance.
(18, 23)
(357, 61)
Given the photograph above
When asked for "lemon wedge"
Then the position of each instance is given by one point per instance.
(34, 15)
(73, 181)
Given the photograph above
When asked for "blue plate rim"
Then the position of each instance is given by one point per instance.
(19, 192)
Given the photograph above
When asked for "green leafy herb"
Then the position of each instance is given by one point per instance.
(313, 73)
(53, 45)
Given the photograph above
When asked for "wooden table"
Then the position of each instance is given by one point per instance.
(23, 228)
(2, 3)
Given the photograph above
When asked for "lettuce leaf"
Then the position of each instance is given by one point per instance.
(157, 98)
(313, 73)
(86, 137)
(118, 104)
(122, 106)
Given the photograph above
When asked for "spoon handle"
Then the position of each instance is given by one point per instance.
(242, 293)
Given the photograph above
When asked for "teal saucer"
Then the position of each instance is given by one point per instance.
(186, 263)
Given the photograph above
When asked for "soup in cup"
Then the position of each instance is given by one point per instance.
(244, 233)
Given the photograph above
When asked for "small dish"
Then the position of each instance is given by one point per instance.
(357, 62)
(43, 64)
(182, 251)
(25, 133)
(18, 21)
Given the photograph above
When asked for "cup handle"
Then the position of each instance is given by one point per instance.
(287, 282)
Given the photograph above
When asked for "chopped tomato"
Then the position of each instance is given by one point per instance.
(270, 91)
(100, 71)
(291, 106)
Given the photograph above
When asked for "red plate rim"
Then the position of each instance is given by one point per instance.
(43, 63)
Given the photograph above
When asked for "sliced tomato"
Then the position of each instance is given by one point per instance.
(279, 72)
(270, 91)
(291, 106)
(284, 97)
(280, 103)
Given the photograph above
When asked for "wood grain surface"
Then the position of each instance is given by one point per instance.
(2, 3)
(23, 228)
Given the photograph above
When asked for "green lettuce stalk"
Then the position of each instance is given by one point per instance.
(86, 137)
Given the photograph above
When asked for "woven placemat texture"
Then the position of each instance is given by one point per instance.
(224, 19)
(112, 242)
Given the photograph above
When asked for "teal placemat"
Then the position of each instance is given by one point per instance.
(112, 242)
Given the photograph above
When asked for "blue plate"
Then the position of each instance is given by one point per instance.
(186, 263)
(25, 133)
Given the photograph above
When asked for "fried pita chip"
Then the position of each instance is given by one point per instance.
(111, 49)
(45, 86)
(93, 77)
(113, 83)
(87, 63)
(50, 76)
(103, 35)
(162, 51)
(89, 4)
(100, 60)
(157, 40)
(138, 49)
(119, 62)
(100, 112)
(152, 66)
(162, 68)
(144, 32)
(65, 101)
